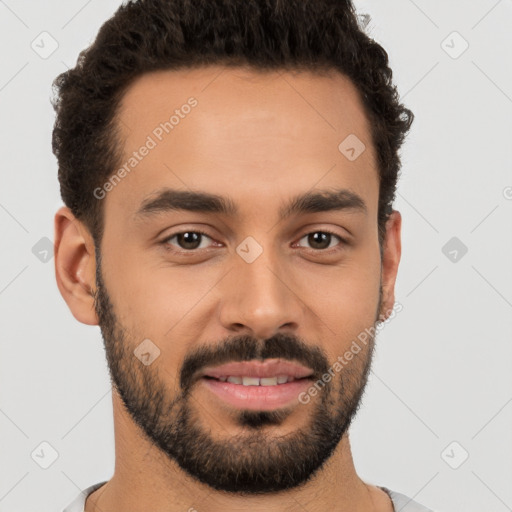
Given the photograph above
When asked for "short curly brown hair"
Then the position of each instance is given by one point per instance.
(151, 35)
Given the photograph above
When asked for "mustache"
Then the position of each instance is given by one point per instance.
(246, 348)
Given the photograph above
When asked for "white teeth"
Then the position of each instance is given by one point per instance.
(257, 381)
(268, 381)
(250, 381)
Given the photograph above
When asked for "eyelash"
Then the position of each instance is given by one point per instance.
(167, 246)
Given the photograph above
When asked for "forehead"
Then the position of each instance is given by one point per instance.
(250, 135)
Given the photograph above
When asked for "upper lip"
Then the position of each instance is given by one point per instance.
(267, 368)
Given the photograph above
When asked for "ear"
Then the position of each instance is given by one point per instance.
(391, 252)
(75, 266)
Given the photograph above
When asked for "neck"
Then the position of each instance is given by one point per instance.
(145, 479)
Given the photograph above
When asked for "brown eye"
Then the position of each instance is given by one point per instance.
(187, 240)
(321, 240)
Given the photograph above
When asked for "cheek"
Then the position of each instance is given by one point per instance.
(157, 302)
(346, 297)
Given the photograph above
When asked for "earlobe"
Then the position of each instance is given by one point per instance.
(392, 250)
(75, 266)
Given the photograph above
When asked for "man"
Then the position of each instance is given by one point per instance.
(228, 169)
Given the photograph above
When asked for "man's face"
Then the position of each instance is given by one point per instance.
(258, 286)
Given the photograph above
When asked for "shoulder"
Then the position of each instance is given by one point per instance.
(78, 504)
(403, 503)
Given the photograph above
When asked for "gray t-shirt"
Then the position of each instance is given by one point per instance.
(401, 503)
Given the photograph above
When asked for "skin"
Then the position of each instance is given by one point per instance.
(258, 138)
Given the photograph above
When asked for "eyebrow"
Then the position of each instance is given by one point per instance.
(167, 199)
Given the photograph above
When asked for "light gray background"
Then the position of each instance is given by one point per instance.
(442, 371)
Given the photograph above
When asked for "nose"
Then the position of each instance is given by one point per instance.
(259, 299)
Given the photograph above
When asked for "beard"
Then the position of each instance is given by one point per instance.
(251, 462)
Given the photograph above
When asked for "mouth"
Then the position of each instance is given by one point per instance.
(258, 385)
(256, 381)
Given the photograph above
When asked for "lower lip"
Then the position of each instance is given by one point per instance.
(257, 397)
